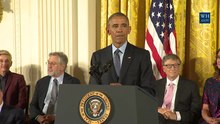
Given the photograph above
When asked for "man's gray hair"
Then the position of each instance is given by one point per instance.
(62, 57)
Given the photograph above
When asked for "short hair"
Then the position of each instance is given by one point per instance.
(117, 14)
(5, 52)
(62, 57)
(171, 56)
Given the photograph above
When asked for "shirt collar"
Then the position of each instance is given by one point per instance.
(6, 75)
(122, 48)
(59, 79)
(175, 82)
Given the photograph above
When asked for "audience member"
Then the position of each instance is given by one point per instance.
(211, 96)
(179, 99)
(44, 101)
(13, 84)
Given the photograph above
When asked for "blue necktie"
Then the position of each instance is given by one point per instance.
(117, 62)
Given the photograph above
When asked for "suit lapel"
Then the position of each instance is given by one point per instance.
(8, 81)
(109, 56)
(178, 91)
(46, 86)
(161, 91)
(4, 113)
(66, 78)
(127, 59)
(43, 90)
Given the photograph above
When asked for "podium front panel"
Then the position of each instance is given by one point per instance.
(129, 105)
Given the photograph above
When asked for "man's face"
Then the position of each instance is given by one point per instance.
(119, 29)
(5, 63)
(54, 67)
(171, 68)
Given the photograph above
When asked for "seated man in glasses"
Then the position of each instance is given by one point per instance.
(179, 99)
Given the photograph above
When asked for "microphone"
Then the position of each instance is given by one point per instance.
(107, 66)
(96, 70)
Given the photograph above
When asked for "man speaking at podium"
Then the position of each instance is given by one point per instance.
(121, 63)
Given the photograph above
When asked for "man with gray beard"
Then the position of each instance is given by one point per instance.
(43, 104)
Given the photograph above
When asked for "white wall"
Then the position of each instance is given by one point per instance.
(31, 29)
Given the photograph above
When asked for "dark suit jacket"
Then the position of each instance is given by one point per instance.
(37, 103)
(15, 91)
(11, 115)
(187, 101)
(136, 67)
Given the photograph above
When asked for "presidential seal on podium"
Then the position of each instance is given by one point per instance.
(95, 107)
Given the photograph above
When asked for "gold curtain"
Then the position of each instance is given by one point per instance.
(202, 41)
(137, 12)
(196, 43)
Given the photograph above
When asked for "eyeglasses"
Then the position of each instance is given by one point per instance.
(169, 66)
(51, 63)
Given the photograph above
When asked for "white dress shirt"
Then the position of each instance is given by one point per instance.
(48, 96)
(1, 106)
(175, 82)
(122, 51)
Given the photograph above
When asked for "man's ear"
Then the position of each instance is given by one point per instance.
(107, 30)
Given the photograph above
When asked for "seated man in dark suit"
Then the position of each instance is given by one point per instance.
(44, 101)
(10, 114)
(179, 99)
